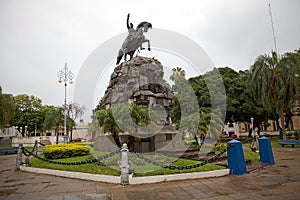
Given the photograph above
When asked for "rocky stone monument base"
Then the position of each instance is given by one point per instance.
(140, 81)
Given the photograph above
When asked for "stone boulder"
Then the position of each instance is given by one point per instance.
(139, 81)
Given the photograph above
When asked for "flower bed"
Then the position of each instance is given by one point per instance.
(65, 151)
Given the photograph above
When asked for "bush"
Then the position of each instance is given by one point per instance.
(65, 151)
(90, 144)
(191, 143)
(220, 147)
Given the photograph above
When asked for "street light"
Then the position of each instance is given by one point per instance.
(65, 75)
(252, 120)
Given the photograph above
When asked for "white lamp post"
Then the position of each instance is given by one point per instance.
(65, 75)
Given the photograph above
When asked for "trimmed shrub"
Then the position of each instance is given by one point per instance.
(220, 147)
(90, 144)
(65, 151)
(191, 143)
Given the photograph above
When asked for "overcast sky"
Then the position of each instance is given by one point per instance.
(38, 36)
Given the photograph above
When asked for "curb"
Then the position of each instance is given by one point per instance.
(77, 175)
(132, 180)
(177, 177)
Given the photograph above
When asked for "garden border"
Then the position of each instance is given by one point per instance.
(132, 180)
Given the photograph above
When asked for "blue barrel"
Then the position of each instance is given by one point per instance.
(236, 160)
(265, 151)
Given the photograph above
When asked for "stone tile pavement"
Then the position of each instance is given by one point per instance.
(280, 181)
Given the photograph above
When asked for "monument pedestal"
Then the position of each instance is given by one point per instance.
(140, 81)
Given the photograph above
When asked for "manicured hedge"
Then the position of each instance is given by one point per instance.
(90, 144)
(65, 151)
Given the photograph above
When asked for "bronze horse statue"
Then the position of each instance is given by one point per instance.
(134, 40)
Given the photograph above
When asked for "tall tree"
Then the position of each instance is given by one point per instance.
(292, 59)
(123, 118)
(108, 124)
(74, 111)
(94, 127)
(177, 74)
(272, 83)
(185, 111)
(28, 113)
(240, 105)
(7, 108)
(53, 119)
(185, 104)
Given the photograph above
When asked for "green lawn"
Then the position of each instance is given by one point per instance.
(150, 170)
(250, 155)
(110, 165)
(93, 168)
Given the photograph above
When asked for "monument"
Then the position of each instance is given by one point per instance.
(140, 80)
(134, 40)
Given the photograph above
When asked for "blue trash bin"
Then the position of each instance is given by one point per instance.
(236, 160)
(265, 151)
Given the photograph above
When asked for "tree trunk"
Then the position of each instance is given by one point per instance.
(71, 135)
(117, 140)
(197, 138)
(282, 125)
(56, 133)
(131, 142)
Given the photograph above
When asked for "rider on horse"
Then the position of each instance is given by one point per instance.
(131, 30)
(134, 40)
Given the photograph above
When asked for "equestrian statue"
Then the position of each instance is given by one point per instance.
(134, 40)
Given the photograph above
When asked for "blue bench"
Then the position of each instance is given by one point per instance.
(8, 150)
(289, 142)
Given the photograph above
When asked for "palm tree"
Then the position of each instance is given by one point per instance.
(205, 124)
(108, 123)
(123, 117)
(178, 74)
(139, 114)
(215, 124)
(272, 83)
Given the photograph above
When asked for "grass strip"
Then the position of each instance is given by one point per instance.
(110, 165)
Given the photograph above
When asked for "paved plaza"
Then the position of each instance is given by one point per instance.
(281, 181)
